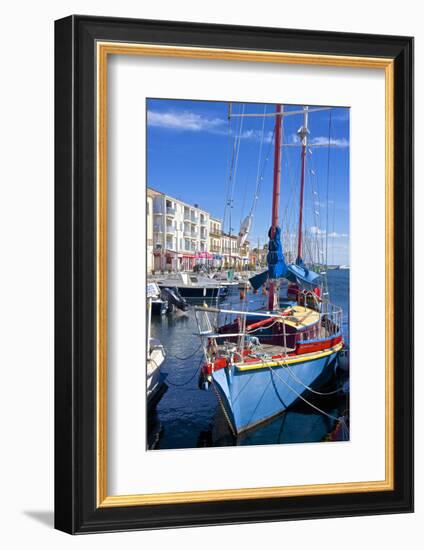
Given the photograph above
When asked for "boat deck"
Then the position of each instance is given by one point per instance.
(302, 317)
(271, 349)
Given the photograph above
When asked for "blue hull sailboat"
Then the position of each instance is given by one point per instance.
(262, 362)
(254, 396)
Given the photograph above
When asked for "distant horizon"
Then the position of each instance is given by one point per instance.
(190, 145)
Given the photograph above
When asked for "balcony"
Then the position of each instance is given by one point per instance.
(170, 229)
(158, 228)
(170, 211)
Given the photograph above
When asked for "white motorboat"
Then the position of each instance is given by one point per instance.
(155, 379)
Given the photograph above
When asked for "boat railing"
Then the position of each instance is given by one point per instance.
(328, 325)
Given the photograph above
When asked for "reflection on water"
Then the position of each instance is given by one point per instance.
(188, 417)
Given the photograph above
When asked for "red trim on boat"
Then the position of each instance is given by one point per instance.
(311, 347)
(301, 349)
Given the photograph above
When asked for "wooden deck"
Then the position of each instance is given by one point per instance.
(302, 317)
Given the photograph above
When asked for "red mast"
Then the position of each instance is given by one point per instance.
(303, 133)
(275, 191)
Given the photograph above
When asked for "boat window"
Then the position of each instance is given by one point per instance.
(193, 279)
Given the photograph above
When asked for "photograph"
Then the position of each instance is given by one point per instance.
(248, 270)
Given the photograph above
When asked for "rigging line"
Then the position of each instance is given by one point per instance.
(315, 201)
(289, 213)
(227, 175)
(328, 185)
(264, 166)
(243, 203)
(335, 418)
(319, 237)
(237, 157)
(231, 167)
(316, 392)
(255, 197)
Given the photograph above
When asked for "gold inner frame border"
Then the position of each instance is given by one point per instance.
(103, 50)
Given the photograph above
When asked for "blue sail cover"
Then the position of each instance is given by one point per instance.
(298, 272)
(277, 267)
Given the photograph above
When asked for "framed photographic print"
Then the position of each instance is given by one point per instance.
(234, 287)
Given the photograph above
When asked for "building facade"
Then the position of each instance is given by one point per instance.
(215, 241)
(233, 255)
(149, 231)
(180, 233)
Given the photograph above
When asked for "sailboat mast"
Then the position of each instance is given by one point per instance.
(303, 134)
(275, 191)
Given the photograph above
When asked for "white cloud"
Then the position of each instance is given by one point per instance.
(193, 122)
(320, 141)
(184, 120)
(335, 235)
(314, 230)
(257, 135)
(323, 141)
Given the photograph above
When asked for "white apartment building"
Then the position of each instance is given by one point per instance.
(180, 233)
(149, 231)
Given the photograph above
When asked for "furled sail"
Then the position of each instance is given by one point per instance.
(277, 267)
(244, 230)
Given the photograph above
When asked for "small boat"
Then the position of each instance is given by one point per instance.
(155, 379)
(194, 286)
(160, 306)
(225, 278)
(169, 301)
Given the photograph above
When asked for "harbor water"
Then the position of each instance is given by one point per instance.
(188, 417)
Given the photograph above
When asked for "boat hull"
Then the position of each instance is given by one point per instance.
(253, 397)
(159, 307)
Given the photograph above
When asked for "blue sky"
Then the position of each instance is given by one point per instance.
(189, 146)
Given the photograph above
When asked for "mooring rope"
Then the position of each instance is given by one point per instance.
(316, 392)
(336, 419)
(324, 413)
(219, 398)
(176, 384)
(187, 357)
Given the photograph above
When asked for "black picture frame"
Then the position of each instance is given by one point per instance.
(76, 508)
